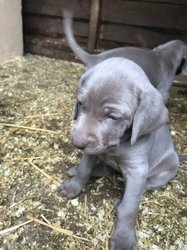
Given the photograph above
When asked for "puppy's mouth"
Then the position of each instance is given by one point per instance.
(100, 149)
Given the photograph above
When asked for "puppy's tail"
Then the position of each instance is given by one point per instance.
(182, 157)
(85, 57)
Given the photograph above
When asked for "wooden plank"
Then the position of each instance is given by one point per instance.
(93, 26)
(139, 23)
(51, 26)
(178, 2)
(51, 47)
(80, 8)
(147, 14)
(139, 36)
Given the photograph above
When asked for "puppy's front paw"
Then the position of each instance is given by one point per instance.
(120, 241)
(71, 188)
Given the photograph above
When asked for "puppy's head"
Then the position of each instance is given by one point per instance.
(113, 97)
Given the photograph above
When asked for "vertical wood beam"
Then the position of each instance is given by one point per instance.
(94, 24)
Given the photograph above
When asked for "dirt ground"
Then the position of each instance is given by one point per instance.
(36, 103)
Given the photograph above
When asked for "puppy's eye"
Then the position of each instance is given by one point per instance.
(113, 117)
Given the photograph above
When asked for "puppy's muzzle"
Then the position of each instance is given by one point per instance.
(80, 141)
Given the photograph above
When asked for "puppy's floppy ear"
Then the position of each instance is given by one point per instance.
(78, 104)
(150, 114)
(76, 108)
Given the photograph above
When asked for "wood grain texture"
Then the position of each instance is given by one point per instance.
(135, 22)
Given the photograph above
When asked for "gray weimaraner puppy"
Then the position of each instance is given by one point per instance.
(121, 123)
(160, 64)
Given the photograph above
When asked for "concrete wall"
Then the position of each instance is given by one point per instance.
(11, 37)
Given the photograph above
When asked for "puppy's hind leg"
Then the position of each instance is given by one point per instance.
(167, 170)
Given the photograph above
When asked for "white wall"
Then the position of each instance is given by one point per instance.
(11, 37)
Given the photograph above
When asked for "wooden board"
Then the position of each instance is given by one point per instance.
(146, 14)
(52, 26)
(178, 2)
(80, 8)
(139, 36)
(139, 23)
(51, 47)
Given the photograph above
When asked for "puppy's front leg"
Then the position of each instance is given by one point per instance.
(124, 237)
(72, 187)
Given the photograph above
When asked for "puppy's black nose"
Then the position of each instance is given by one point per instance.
(80, 141)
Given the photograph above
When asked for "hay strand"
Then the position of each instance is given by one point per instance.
(57, 229)
(30, 128)
(43, 172)
(13, 228)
